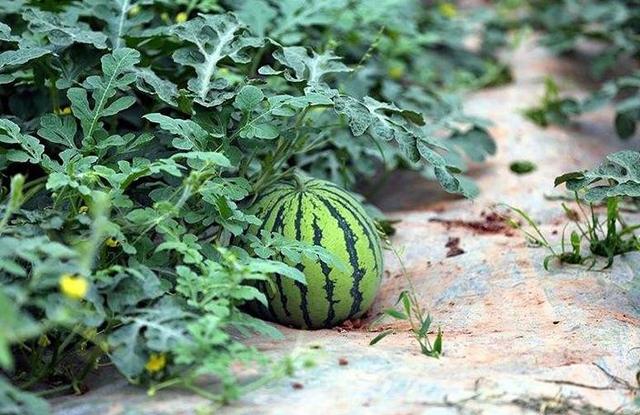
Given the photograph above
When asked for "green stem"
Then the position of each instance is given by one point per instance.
(100, 222)
(300, 183)
(54, 391)
(256, 62)
(93, 357)
(5, 219)
(268, 170)
(202, 392)
(166, 384)
(66, 341)
(191, 6)
(16, 199)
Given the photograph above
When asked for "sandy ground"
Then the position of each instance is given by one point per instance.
(518, 339)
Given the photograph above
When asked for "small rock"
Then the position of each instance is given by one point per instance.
(454, 247)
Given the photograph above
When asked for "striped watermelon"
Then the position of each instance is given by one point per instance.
(320, 213)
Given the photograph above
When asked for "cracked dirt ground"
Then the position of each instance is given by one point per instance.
(517, 339)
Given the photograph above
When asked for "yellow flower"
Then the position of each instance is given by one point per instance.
(43, 340)
(83, 209)
(74, 286)
(63, 111)
(396, 72)
(165, 17)
(156, 362)
(181, 17)
(111, 242)
(448, 10)
(134, 10)
(90, 333)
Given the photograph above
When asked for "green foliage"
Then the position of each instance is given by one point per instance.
(131, 149)
(409, 310)
(404, 53)
(213, 38)
(552, 109)
(615, 179)
(613, 27)
(15, 401)
(627, 108)
(570, 251)
(617, 176)
(606, 237)
(568, 22)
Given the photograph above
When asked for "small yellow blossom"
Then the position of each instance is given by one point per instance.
(181, 17)
(448, 10)
(396, 72)
(165, 17)
(134, 10)
(111, 242)
(90, 333)
(83, 209)
(43, 340)
(156, 362)
(74, 286)
(63, 111)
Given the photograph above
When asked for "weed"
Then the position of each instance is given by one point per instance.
(606, 237)
(552, 109)
(407, 308)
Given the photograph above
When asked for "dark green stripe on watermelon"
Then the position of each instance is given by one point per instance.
(278, 224)
(349, 240)
(268, 206)
(357, 210)
(321, 213)
(368, 229)
(329, 285)
(300, 267)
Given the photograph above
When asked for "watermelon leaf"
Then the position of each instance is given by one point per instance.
(273, 245)
(161, 327)
(284, 20)
(123, 17)
(31, 150)
(248, 98)
(248, 325)
(190, 135)
(117, 70)
(63, 29)
(301, 66)
(265, 266)
(212, 38)
(150, 83)
(617, 175)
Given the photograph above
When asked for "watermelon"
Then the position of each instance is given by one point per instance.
(320, 213)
